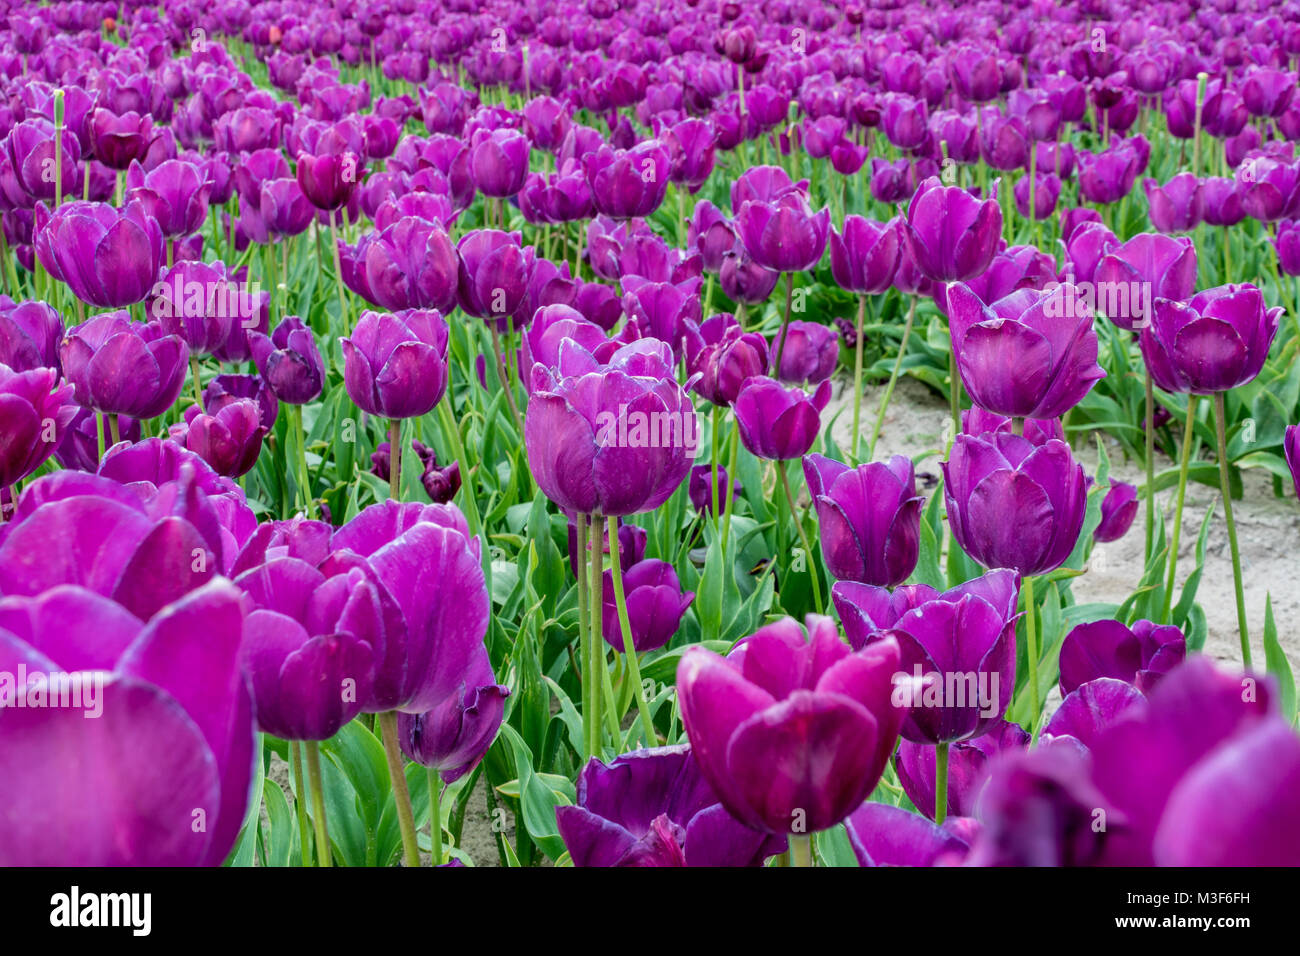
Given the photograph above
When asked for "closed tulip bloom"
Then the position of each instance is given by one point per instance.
(811, 353)
(174, 735)
(976, 74)
(224, 389)
(30, 150)
(29, 335)
(1177, 206)
(792, 733)
(784, 235)
(108, 257)
(1028, 355)
(1270, 188)
(869, 518)
(498, 161)
(453, 737)
(779, 423)
(881, 834)
(950, 234)
(329, 179)
(1047, 192)
(1291, 446)
(1140, 655)
(977, 421)
(1267, 91)
(412, 264)
(1108, 177)
(968, 768)
(711, 234)
(1165, 265)
(1214, 342)
(743, 279)
(865, 257)
(654, 808)
(395, 364)
(284, 208)
(1118, 509)
(691, 144)
(174, 192)
(122, 367)
(551, 327)
(631, 183)
(723, 356)
(891, 182)
(35, 413)
(655, 605)
(229, 439)
(1006, 142)
(1086, 246)
(613, 438)
(701, 488)
(79, 449)
(289, 361)
(904, 121)
(1287, 245)
(493, 276)
(120, 140)
(199, 302)
(1012, 504)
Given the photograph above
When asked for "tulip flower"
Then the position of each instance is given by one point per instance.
(951, 235)
(791, 732)
(498, 161)
(200, 303)
(654, 808)
(1085, 246)
(655, 605)
(1108, 176)
(869, 518)
(1088, 710)
(119, 140)
(1140, 655)
(493, 276)
(1177, 206)
(627, 184)
(329, 179)
(123, 368)
(1270, 188)
(229, 438)
(35, 414)
(29, 335)
(724, 356)
(1146, 267)
(395, 364)
(30, 149)
(743, 279)
(171, 700)
(783, 234)
(779, 423)
(977, 421)
(108, 257)
(885, 835)
(1291, 445)
(1214, 342)
(1028, 355)
(174, 192)
(1118, 509)
(691, 145)
(410, 264)
(452, 738)
(289, 361)
(1046, 192)
(811, 353)
(1287, 245)
(865, 257)
(968, 768)
(701, 488)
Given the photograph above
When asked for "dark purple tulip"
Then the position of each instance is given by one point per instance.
(1267, 91)
(289, 361)
(723, 356)
(654, 808)
(108, 257)
(1118, 509)
(869, 518)
(553, 325)
(783, 235)
(864, 258)
(29, 335)
(904, 121)
(968, 770)
(411, 264)
(610, 439)
(779, 423)
(1108, 176)
(224, 389)
(1291, 446)
(283, 207)
(175, 193)
(1005, 144)
(1140, 655)
(35, 414)
(977, 421)
(120, 140)
(655, 605)
(546, 120)
(1013, 269)
(743, 279)
(1013, 504)
(1270, 188)
(811, 353)
(950, 234)
(1090, 709)
(1146, 265)
(1287, 245)
(328, 180)
(791, 732)
(498, 161)
(1084, 249)
(691, 144)
(122, 367)
(493, 276)
(891, 182)
(174, 706)
(1177, 206)
(229, 439)
(453, 737)
(1047, 192)
(30, 151)
(628, 184)
(701, 488)
(1214, 342)
(200, 302)
(884, 835)
(976, 74)
(395, 364)
(1028, 355)
(711, 234)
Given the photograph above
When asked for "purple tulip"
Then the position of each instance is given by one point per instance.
(864, 258)
(631, 546)
(1287, 245)
(1267, 91)
(1088, 710)
(701, 488)
(79, 449)
(791, 732)
(968, 769)
(108, 257)
(29, 335)
(976, 74)
(172, 706)
(1177, 206)
(655, 605)
(869, 518)
(1143, 269)
(885, 835)
(395, 364)
(289, 361)
(35, 414)
(1118, 509)
(1291, 446)
(493, 276)
(1013, 504)
(1085, 247)
(329, 179)
(283, 208)
(410, 264)
(1270, 188)
(655, 808)
(1140, 655)
(977, 421)
(1028, 355)
(950, 234)
(723, 356)
(711, 234)
(627, 184)
(123, 368)
(1214, 342)
(453, 737)
(229, 439)
(1108, 176)
(29, 148)
(175, 193)
(200, 303)
(122, 139)
(691, 144)
(783, 234)
(498, 161)
(811, 353)
(743, 279)
(778, 423)
(1047, 192)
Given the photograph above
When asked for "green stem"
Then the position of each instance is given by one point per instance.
(1184, 460)
(1150, 440)
(300, 801)
(113, 432)
(629, 649)
(304, 475)
(893, 380)
(401, 793)
(954, 395)
(857, 380)
(785, 324)
(504, 378)
(800, 849)
(584, 638)
(198, 386)
(1031, 631)
(452, 433)
(803, 537)
(318, 804)
(435, 816)
(716, 497)
(338, 275)
(595, 628)
(395, 459)
(941, 782)
(1220, 427)
(99, 433)
(730, 490)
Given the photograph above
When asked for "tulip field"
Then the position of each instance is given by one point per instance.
(484, 433)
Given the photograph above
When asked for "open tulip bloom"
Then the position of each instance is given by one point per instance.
(412, 405)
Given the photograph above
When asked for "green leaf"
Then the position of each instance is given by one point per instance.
(537, 800)
(1278, 666)
(284, 829)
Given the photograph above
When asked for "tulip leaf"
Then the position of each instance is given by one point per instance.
(537, 800)
(242, 854)
(927, 569)
(1277, 664)
(834, 848)
(710, 599)
(284, 831)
